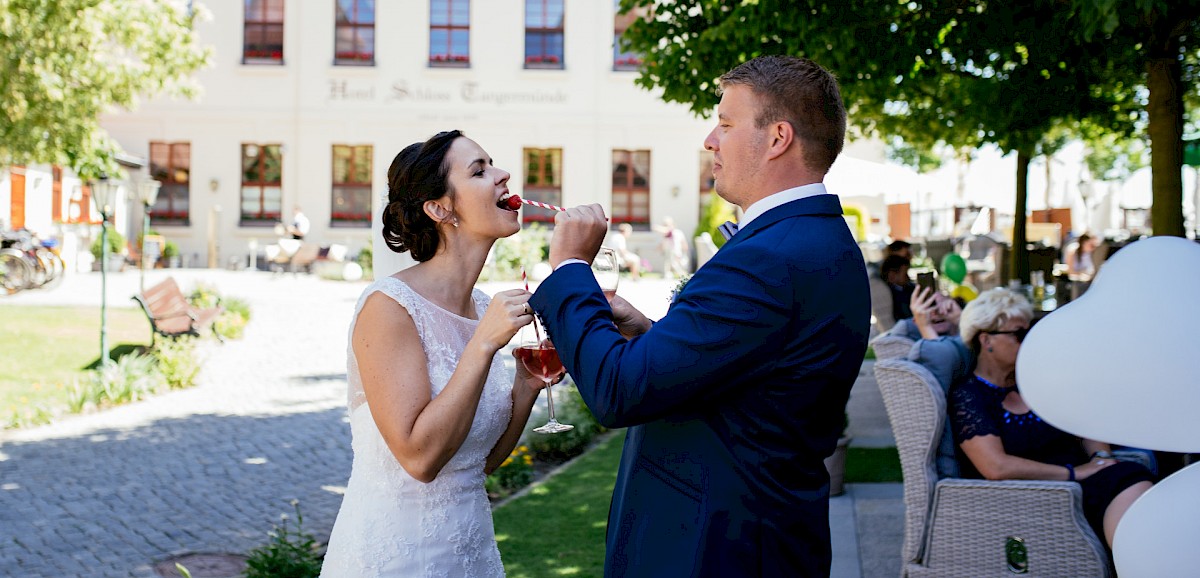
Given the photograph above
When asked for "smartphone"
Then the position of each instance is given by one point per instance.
(927, 280)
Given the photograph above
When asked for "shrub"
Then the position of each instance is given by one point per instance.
(131, 378)
(231, 324)
(570, 409)
(289, 553)
(515, 473)
(716, 211)
(530, 246)
(204, 296)
(28, 415)
(177, 361)
(116, 244)
(365, 259)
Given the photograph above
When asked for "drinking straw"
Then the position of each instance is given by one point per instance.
(537, 334)
(542, 205)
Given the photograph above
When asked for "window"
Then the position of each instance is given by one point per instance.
(262, 184)
(543, 182)
(450, 33)
(544, 34)
(352, 186)
(262, 41)
(171, 165)
(631, 188)
(355, 32)
(623, 59)
(707, 183)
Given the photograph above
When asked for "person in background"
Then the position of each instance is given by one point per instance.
(901, 248)
(300, 225)
(1003, 439)
(674, 246)
(891, 292)
(1080, 265)
(619, 243)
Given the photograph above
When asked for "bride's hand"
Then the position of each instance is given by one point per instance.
(530, 382)
(506, 314)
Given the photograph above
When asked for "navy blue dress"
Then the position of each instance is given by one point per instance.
(976, 408)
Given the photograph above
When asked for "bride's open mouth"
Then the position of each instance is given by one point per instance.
(509, 202)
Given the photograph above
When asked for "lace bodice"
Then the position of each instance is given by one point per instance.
(391, 524)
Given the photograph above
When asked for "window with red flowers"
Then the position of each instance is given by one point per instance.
(262, 184)
(262, 41)
(631, 188)
(543, 182)
(352, 186)
(171, 165)
(624, 59)
(354, 33)
(450, 33)
(544, 34)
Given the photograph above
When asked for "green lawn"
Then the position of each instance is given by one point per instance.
(873, 465)
(44, 349)
(557, 529)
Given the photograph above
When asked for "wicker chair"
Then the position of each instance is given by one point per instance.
(891, 346)
(958, 527)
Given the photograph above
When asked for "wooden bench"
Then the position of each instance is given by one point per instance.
(171, 315)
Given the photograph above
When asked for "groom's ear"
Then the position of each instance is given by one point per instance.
(780, 137)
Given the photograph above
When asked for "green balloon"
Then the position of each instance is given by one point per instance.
(954, 267)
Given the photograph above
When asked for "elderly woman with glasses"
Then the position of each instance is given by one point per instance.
(1003, 439)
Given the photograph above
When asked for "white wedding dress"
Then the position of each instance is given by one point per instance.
(390, 524)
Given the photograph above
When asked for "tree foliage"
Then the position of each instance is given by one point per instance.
(65, 62)
(961, 72)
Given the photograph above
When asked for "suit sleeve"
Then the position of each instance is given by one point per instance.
(724, 329)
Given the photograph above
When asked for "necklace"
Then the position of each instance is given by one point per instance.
(990, 384)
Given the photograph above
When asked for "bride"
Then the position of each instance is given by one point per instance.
(432, 409)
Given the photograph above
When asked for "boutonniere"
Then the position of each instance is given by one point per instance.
(683, 281)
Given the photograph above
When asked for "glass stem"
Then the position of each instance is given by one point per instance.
(550, 401)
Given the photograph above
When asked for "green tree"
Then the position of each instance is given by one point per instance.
(65, 62)
(917, 158)
(966, 73)
(1158, 41)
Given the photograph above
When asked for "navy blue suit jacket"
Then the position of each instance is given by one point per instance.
(732, 400)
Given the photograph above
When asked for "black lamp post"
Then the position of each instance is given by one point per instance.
(148, 191)
(104, 192)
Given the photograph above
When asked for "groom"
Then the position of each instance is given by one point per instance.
(735, 397)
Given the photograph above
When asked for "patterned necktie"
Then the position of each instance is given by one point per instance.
(728, 229)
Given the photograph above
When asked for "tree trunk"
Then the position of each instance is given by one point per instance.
(1019, 258)
(1165, 110)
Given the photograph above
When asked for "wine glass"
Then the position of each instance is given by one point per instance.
(541, 359)
(607, 270)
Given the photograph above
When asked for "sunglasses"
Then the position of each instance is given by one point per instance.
(1019, 334)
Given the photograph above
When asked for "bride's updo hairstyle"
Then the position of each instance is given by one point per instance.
(417, 174)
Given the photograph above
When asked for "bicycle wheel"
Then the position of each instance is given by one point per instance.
(52, 264)
(15, 273)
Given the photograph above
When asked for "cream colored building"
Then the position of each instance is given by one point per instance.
(422, 67)
(307, 103)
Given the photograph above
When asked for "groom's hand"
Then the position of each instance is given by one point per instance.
(578, 233)
(630, 322)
